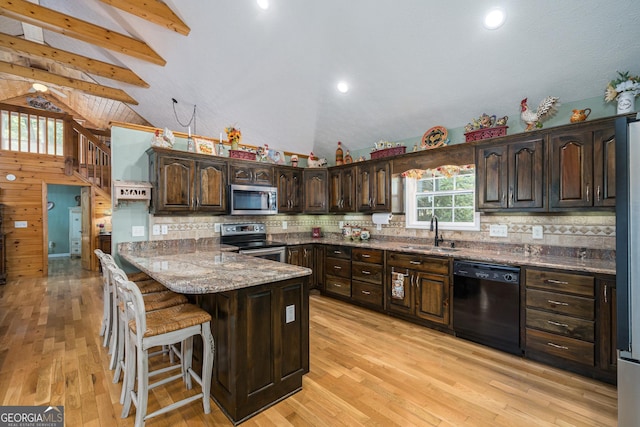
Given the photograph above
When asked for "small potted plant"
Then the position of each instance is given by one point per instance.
(623, 89)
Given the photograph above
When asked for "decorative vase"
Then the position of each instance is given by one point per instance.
(626, 102)
(234, 144)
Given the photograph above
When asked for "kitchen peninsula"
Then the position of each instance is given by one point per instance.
(260, 312)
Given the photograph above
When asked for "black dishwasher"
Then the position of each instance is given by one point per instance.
(486, 304)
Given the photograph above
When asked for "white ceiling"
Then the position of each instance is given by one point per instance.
(411, 64)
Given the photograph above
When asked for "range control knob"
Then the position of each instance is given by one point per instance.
(509, 277)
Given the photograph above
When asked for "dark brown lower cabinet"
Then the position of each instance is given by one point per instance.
(261, 336)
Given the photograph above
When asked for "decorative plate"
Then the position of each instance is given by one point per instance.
(50, 205)
(434, 137)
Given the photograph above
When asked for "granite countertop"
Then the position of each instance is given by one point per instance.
(508, 257)
(201, 270)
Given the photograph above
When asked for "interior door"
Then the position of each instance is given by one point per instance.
(86, 196)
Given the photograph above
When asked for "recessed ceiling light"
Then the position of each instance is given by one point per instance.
(39, 87)
(494, 19)
(343, 87)
(263, 4)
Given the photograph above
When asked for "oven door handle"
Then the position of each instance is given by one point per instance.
(265, 251)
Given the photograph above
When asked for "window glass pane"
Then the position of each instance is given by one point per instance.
(424, 201)
(443, 201)
(463, 200)
(464, 215)
(425, 185)
(444, 215)
(444, 184)
(465, 182)
(424, 215)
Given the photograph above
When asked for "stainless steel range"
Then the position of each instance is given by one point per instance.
(251, 238)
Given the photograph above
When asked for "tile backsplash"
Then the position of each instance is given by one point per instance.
(586, 234)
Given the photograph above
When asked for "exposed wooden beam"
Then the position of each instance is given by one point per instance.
(79, 62)
(87, 87)
(50, 19)
(153, 11)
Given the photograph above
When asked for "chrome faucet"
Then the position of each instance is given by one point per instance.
(437, 240)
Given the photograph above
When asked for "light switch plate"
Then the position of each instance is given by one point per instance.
(20, 224)
(537, 232)
(137, 231)
(156, 229)
(290, 314)
(340, 224)
(284, 225)
(216, 227)
(165, 229)
(498, 230)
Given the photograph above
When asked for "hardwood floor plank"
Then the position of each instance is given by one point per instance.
(366, 369)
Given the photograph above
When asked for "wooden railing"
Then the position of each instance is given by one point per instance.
(29, 130)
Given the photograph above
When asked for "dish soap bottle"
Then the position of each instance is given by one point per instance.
(339, 154)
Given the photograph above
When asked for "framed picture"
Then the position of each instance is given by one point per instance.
(276, 157)
(205, 146)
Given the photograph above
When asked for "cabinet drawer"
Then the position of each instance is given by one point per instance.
(371, 273)
(556, 345)
(561, 282)
(339, 252)
(367, 255)
(338, 285)
(560, 303)
(338, 267)
(367, 293)
(563, 325)
(419, 262)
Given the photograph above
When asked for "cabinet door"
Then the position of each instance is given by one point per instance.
(349, 189)
(295, 255)
(336, 199)
(604, 167)
(289, 185)
(373, 187)
(315, 191)
(175, 184)
(571, 157)
(247, 173)
(400, 290)
(492, 177)
(526, 175)
(432, 297)
(262, 175)
(211, 187)
(365, 187)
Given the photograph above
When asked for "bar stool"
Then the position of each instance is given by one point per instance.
(159, 328)
(152, 301)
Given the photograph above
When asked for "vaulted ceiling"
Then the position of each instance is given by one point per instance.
(411, 64)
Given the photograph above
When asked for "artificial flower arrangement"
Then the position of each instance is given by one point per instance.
(233, 134)
(624, 83)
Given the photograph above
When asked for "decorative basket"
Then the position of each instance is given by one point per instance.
(393, 151)
(478, 134)
(241, 154)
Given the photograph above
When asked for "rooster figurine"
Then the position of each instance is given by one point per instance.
(545, 110)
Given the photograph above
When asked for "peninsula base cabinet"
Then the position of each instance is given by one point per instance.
(570, 321)
(419, 288)
(304, 256)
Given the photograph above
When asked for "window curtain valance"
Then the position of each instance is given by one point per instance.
(445, 170)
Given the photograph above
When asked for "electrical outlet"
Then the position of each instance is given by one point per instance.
(156, 229)
(340, 224)
(216, 227)
(165, 229)
(498, 230)
(537, 232)
(137, 231)
(284, 225)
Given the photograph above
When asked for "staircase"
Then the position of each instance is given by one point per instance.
(85, 154)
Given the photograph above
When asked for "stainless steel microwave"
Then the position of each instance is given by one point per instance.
(253, 200)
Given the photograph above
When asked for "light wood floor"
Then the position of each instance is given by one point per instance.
(366, 369)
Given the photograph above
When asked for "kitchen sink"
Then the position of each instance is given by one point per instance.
(429, 248)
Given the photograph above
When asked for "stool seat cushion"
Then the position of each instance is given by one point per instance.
(136, 277)
(149, 286)
(172, 319)
(159, 300)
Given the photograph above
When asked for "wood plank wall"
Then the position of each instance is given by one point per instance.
(25, 200)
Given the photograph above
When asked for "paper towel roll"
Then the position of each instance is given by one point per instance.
(381, 218)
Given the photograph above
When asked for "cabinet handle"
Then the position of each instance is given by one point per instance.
(562, 347)
(337, 252)
(504, 197)
(598, 192)
(337, 285)
(564, 325)
(550, 301)
(366, 256)
(415, 262)
(365, 272)
(605, 293)
(337, 267)
(556, 282)
(512, 199)
(366, 292)
(587, 192)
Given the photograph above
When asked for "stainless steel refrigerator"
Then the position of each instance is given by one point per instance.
(628, 269)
